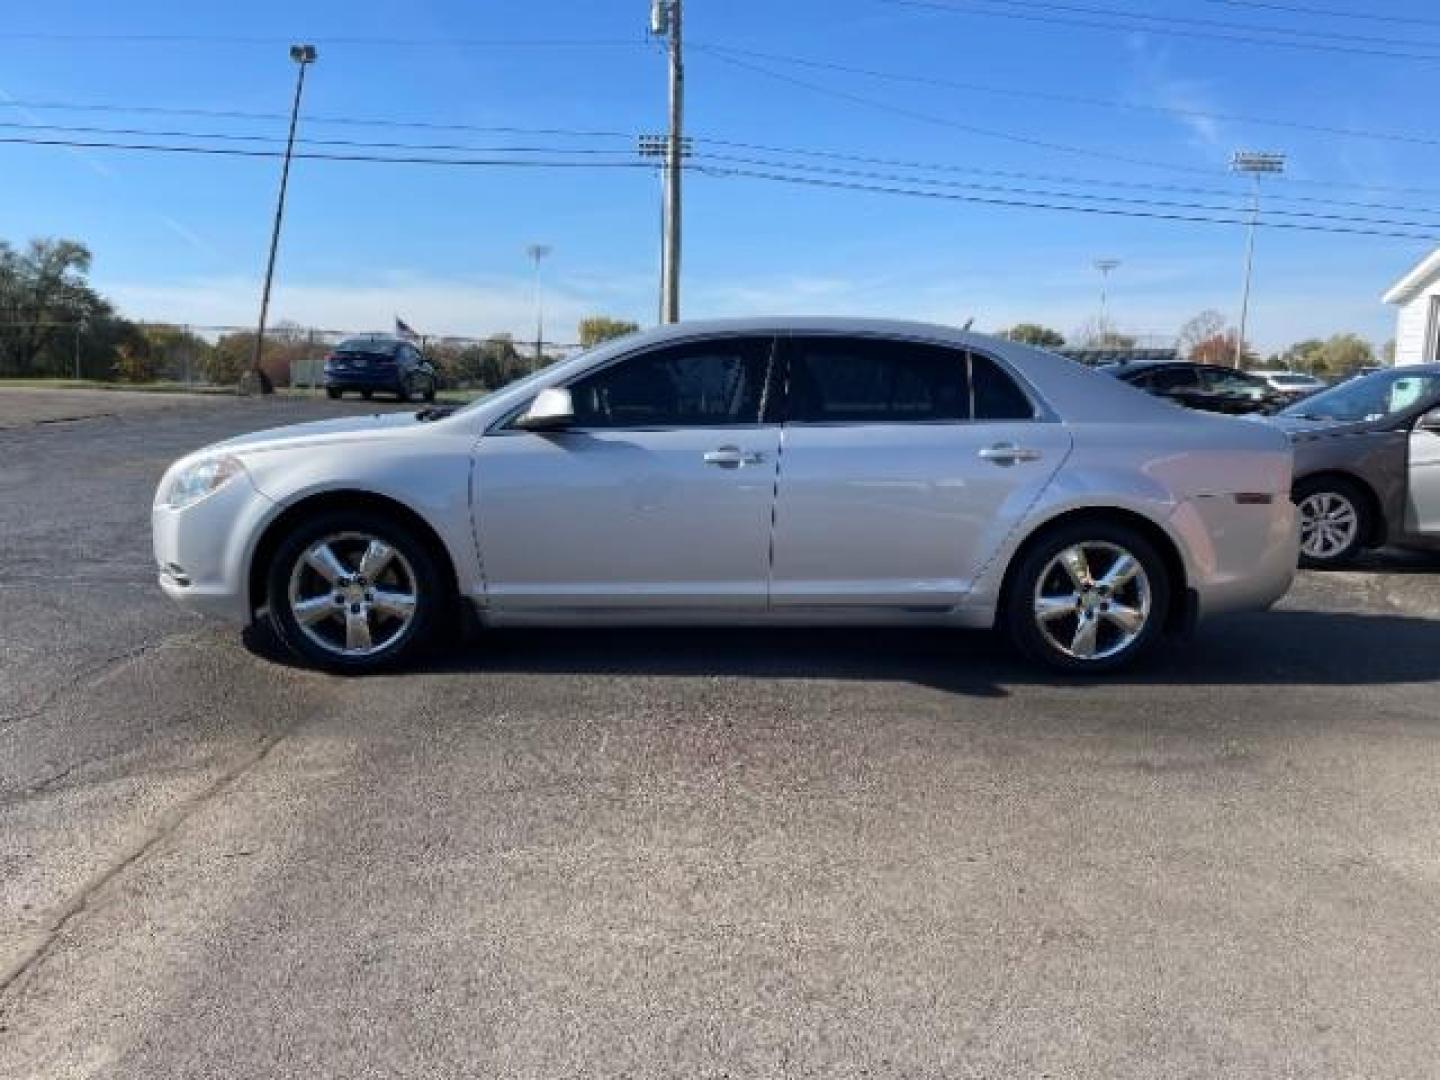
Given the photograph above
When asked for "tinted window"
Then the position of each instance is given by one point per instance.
(1233, 382)
(706, 384)
(369, 346)
(1373, 397)
(855, 379)
(995, 395)
(1176, 378)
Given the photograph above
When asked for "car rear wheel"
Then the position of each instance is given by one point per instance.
(1088, 598)
(353, 592)
(1334, 521)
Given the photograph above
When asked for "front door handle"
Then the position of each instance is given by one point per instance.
(1008, 454)
(732, 457)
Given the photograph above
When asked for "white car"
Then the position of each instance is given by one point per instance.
(1292, 384)
(785, 471)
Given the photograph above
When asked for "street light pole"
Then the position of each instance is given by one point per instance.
(1255, 164)
(1105, 266)
(304, 56)
(536, 253)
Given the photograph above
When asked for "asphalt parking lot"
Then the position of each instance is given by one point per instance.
(691, 854)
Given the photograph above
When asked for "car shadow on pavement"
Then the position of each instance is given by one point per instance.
(1278, 648)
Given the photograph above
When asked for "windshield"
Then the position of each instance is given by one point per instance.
(1372, 397)
(521, 383)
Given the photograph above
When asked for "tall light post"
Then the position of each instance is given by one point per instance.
(1106, 267)
(537, 252)
(303, 56)
(1255, 163)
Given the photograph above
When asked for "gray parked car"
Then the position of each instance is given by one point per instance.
(775, 471)
(1367, 464)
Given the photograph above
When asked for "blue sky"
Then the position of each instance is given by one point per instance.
(183, 238)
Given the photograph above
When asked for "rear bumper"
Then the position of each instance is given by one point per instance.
(361, 380)
(1241, 557)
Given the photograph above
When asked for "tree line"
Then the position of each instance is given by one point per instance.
(1208, 338)
(54, 324)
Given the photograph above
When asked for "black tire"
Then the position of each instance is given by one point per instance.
(333, 393)
(430, 390)
(348, 532)
(367, 394)
(402, 391)
(1350, 506)
(1037, 567)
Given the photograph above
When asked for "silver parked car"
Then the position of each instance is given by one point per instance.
(814, 471)
(1367, 464)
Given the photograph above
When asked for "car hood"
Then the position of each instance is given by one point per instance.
(343, 429)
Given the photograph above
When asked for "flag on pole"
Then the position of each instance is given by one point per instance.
(404, 330)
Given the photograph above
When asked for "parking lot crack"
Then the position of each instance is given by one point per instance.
(169, 825)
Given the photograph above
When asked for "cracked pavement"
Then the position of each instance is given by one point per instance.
(692, 854)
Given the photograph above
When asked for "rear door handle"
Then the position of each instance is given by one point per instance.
(1008, 453)
(732, 457)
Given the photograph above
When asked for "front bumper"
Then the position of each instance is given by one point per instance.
(202, 550)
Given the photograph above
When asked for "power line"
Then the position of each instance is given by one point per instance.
(930, 118)
(242, 152)
(353, 143)
(1159, 25)
(1356, 227)
(353, 121)
(1011, 174)
(340, 40)
(1329, 13)
(1081, 196)
(1072, 99)
(1035, 205)
(911, 166)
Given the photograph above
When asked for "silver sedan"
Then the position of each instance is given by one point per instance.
(747, 472)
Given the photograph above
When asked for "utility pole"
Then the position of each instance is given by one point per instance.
(536, 253)
(665, 19)
(304, 56)
(1106, 267)
(1255, 164)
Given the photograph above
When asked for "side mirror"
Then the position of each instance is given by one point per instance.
(552, 410)
(1430, 421)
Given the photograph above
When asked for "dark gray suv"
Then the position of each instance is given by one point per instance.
(1367, 464)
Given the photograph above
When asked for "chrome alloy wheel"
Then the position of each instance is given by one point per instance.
(1329, 524)
(353, 594)
(1092, 601)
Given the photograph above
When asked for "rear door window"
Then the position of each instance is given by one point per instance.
(878, 380)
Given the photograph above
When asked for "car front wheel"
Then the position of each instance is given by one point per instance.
(1088, 598)
(1334, 521)
(353, 592)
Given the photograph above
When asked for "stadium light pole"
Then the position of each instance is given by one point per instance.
(537, 252)
(1106, 267)
(1255, 164)
(303, 56)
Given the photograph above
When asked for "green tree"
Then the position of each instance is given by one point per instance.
(44, 300)
(598, 328)
(1343, 354)
(1034, 334)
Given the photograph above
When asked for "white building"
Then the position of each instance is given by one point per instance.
(1417, 324)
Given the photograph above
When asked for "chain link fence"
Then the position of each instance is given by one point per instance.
(212, 356)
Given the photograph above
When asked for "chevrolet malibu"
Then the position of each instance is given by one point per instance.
(774, 472)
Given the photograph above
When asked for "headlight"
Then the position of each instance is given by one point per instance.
(199, 479)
